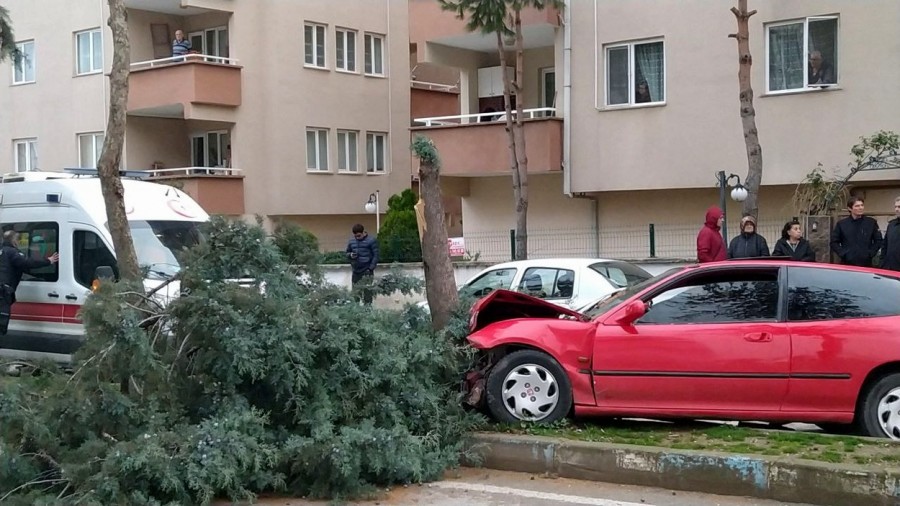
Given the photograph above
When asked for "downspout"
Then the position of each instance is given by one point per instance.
(567, 124)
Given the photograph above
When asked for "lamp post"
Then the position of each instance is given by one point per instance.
(738, 194)
(373, 205)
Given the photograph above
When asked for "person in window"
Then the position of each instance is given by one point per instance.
(14, 263)
(856, 239)
(792, 244)
(642, 93)
(362, 250)
(180, 46)
(748, 244)
(710, 243)
(890, 252)
(819, 71)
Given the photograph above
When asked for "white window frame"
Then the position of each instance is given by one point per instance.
(805, 63)
(369, 67)
(23, 66)
(543, 85)
(97, 139)
(31, 159)
(223, 140)
(95, 66)
(321, 164)
(344, 33)
(315, 43)
(632, 74)
(216, 33)
(373, 156)
(350, 139)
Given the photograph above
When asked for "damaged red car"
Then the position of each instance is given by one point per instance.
(764, 340)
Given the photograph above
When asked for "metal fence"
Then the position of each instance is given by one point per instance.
(633, 242)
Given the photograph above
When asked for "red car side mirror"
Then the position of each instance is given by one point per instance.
(632, 312)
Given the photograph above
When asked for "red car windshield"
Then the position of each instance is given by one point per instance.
(613, 301)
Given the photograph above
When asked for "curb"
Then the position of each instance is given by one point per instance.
(777, 478)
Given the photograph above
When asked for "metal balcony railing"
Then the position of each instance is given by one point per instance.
(195, 171)
(485, 117)
(188, 58)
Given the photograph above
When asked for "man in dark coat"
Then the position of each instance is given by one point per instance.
(710, 243)
(856, 239)
(748, 244)
(14, 263)
(362, 249)
(890, 252)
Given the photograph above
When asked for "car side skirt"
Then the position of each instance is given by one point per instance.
(779, 416)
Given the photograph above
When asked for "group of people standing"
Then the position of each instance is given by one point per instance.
(856, 239)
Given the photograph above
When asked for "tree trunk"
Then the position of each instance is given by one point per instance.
(113, 143)
(748, 113)
(440, 283)
(514, 132)
(521, 158)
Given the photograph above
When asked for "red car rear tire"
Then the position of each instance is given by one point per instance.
(528, 385)
(879, 414)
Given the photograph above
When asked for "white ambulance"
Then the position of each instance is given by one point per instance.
(64, 212)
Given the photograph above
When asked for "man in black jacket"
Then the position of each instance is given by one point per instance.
(856, 239)
(890, 252)
(14, 263)
(362, 249)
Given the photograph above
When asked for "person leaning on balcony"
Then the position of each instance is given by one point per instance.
(180, 46)
(792, 244)
(710, 243)
(748, 244)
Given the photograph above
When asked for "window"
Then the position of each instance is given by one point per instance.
(621, 273)
(89, 252)
(89, 148)
(374, 55)
(802, 54)
(314, 44)
(89, 52)
(347, 144)
(25, 151)
(548, 88)
(825, 294)
(316, 149)
(23, 72)
(489, 281)
(548, 283)
(210, 149)
(212, 42)
(375, 152)
(345, 50)
(37, 240)
(736, 296)
(635, 73)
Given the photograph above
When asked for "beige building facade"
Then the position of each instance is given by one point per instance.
(294, 110)
(646, 94)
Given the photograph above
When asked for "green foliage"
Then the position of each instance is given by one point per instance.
(335, 258)
(424, 149)
(398, 239)
(491, 16)
(299, 246)
(8, 48)
(277, 382)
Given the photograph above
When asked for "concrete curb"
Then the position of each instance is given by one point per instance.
(777, 478)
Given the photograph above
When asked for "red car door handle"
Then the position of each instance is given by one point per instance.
(758, 337)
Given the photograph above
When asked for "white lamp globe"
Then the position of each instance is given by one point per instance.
(739, 193)
(370, 207)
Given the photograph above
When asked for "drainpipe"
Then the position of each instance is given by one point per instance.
(567, 98)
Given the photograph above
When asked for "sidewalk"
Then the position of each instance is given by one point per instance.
(778, 478)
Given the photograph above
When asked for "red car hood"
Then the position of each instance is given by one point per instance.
(502, 305)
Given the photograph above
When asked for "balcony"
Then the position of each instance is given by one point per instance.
(217, 190)
(474, 145)
(181, 7)
(185, 88)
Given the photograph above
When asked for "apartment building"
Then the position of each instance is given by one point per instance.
(284, 109)
(645, 111)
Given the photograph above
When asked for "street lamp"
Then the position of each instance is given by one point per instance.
(738, 194)
(373, 205)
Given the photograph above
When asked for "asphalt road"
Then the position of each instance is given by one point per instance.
(481, 487)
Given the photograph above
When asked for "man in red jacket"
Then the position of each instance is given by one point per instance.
(710, 244)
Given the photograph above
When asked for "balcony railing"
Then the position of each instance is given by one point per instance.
(485, 117)
(195, 171)
(192, 57)
(425, 85)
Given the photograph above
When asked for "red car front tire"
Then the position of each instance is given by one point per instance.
(528, 386)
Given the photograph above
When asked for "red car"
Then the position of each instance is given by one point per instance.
(768, 340)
